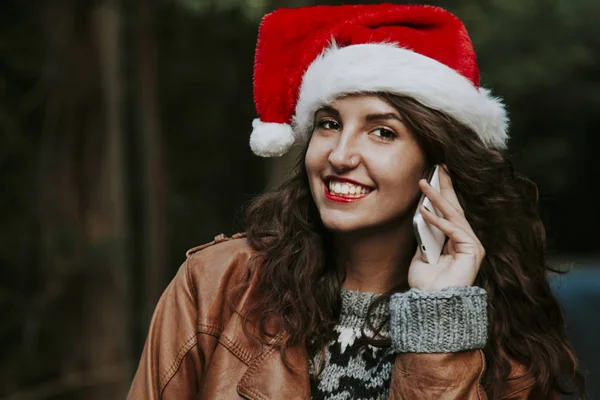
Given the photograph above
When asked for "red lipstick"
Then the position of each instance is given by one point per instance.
(340, 199)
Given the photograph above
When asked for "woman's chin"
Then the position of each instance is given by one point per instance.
(344, 223)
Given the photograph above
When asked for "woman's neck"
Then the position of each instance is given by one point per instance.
(376, 260)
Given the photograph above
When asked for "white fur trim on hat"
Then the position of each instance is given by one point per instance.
(384, 67)
(270, 139)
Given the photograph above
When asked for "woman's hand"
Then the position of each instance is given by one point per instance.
(462, 254)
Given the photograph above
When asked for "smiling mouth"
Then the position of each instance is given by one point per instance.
(344, 191)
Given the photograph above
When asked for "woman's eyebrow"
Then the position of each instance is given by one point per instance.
(383, 117)
(329, 110)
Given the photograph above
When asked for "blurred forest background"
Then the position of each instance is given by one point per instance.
(124, 129)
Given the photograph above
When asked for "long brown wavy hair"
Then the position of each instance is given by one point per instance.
(300, 285)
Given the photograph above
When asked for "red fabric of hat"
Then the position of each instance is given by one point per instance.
(307, 57)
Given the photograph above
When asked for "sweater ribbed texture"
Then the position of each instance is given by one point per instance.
(453, 319)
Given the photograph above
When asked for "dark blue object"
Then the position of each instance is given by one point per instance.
(578, 292)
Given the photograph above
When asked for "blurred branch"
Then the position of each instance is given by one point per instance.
(74, 381)
(151, 171)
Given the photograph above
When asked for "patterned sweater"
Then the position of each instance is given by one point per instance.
(451, 320)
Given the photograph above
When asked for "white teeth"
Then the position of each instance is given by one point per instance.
(347, 189)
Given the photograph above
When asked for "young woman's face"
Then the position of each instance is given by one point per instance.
(363, 164)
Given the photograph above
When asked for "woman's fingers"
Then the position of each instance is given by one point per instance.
(448, 210)
(447, 189)
(462, 241)
(453, 221)
(452, 230)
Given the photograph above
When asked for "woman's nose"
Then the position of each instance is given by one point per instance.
(344, 155)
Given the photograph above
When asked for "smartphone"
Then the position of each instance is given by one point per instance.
(429, 238)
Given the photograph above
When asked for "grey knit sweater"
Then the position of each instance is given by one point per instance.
(451, 320)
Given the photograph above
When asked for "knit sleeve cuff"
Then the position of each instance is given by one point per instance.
(451, 320)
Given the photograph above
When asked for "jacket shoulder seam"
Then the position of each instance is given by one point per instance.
(220, 238)
(235, 349)
(242, 384)
(188, 277)
(212, 330)
(170, 372)
(254, 393)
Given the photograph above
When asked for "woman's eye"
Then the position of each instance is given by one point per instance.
(385, 133)
(328, 124)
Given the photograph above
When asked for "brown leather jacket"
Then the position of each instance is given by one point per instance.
(196, 348)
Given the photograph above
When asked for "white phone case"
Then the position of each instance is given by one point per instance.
(429, 238)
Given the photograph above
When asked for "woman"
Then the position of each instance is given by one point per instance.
(327, 297)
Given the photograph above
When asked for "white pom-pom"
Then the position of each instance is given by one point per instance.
(270, 139)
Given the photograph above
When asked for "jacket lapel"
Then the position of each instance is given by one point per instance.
(267, 377)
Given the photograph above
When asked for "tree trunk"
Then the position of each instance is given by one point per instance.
(83, 213)
(148, 142)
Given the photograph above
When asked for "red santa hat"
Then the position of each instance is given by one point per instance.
(307, 57)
